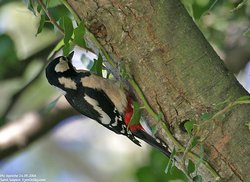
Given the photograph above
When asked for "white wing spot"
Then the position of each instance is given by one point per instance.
(123, 130)
(157, 140)
(129, 132)
(67, 82)
(62, 66)
(105, 119)
(120, 118)
(116, 121)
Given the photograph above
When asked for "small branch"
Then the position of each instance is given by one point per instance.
(32, 127)
(187, 149)
(52, 20)
(225, 110)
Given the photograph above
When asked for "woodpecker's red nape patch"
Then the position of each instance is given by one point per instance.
(128, 115)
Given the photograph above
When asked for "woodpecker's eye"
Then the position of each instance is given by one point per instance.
(63, 59)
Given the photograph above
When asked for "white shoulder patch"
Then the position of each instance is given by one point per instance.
(105, 119)
(62, 66)
(111, 88)
(67, 82)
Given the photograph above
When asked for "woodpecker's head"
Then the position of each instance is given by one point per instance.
(60, 73)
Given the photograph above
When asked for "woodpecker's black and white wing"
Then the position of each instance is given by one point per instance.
(96, 105)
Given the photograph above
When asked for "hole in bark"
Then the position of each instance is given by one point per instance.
(181, 125)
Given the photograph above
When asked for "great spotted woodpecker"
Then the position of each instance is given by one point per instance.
(100, 99)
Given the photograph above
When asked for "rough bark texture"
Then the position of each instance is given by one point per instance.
(177, 70)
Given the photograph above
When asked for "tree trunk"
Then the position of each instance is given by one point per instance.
(178, 72)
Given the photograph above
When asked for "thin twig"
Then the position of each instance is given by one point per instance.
(225, 110)
(52, 20)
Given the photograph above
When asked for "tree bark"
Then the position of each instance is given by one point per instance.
(178, 71)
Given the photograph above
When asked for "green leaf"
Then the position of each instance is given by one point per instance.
(160, 116)
(79, 35)
(240, 5)
(122, 71)
(10, 66)
(59, 45)
(68, 29)
(135, 119)
(41, 24)
(54, 3)
(7, 51)
(143, 174)
(244, 98)
(206, 116)
(97, 67)
(201, 7)
(247, 33)
(152, 170)
(2, 121)
(194, 142)
(170, 162)
(190, 167)
(154, 129)
(52, 104)
(201, 156)
(39, 8)
(30, 6)
(66, 49)
(248, 125)
(197, 178)
(220, 180)
(189, 125)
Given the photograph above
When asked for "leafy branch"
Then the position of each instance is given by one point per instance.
(193, 129)
(239, 101)
(52, 20)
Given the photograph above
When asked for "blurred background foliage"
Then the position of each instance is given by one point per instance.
(71, 152)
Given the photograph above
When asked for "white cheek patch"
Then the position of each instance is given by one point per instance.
(62, 66)
(67, 82)
(105, 119)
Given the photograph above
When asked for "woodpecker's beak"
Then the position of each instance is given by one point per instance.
(70, 56)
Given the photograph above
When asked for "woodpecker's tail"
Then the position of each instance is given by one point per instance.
(155, 142)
